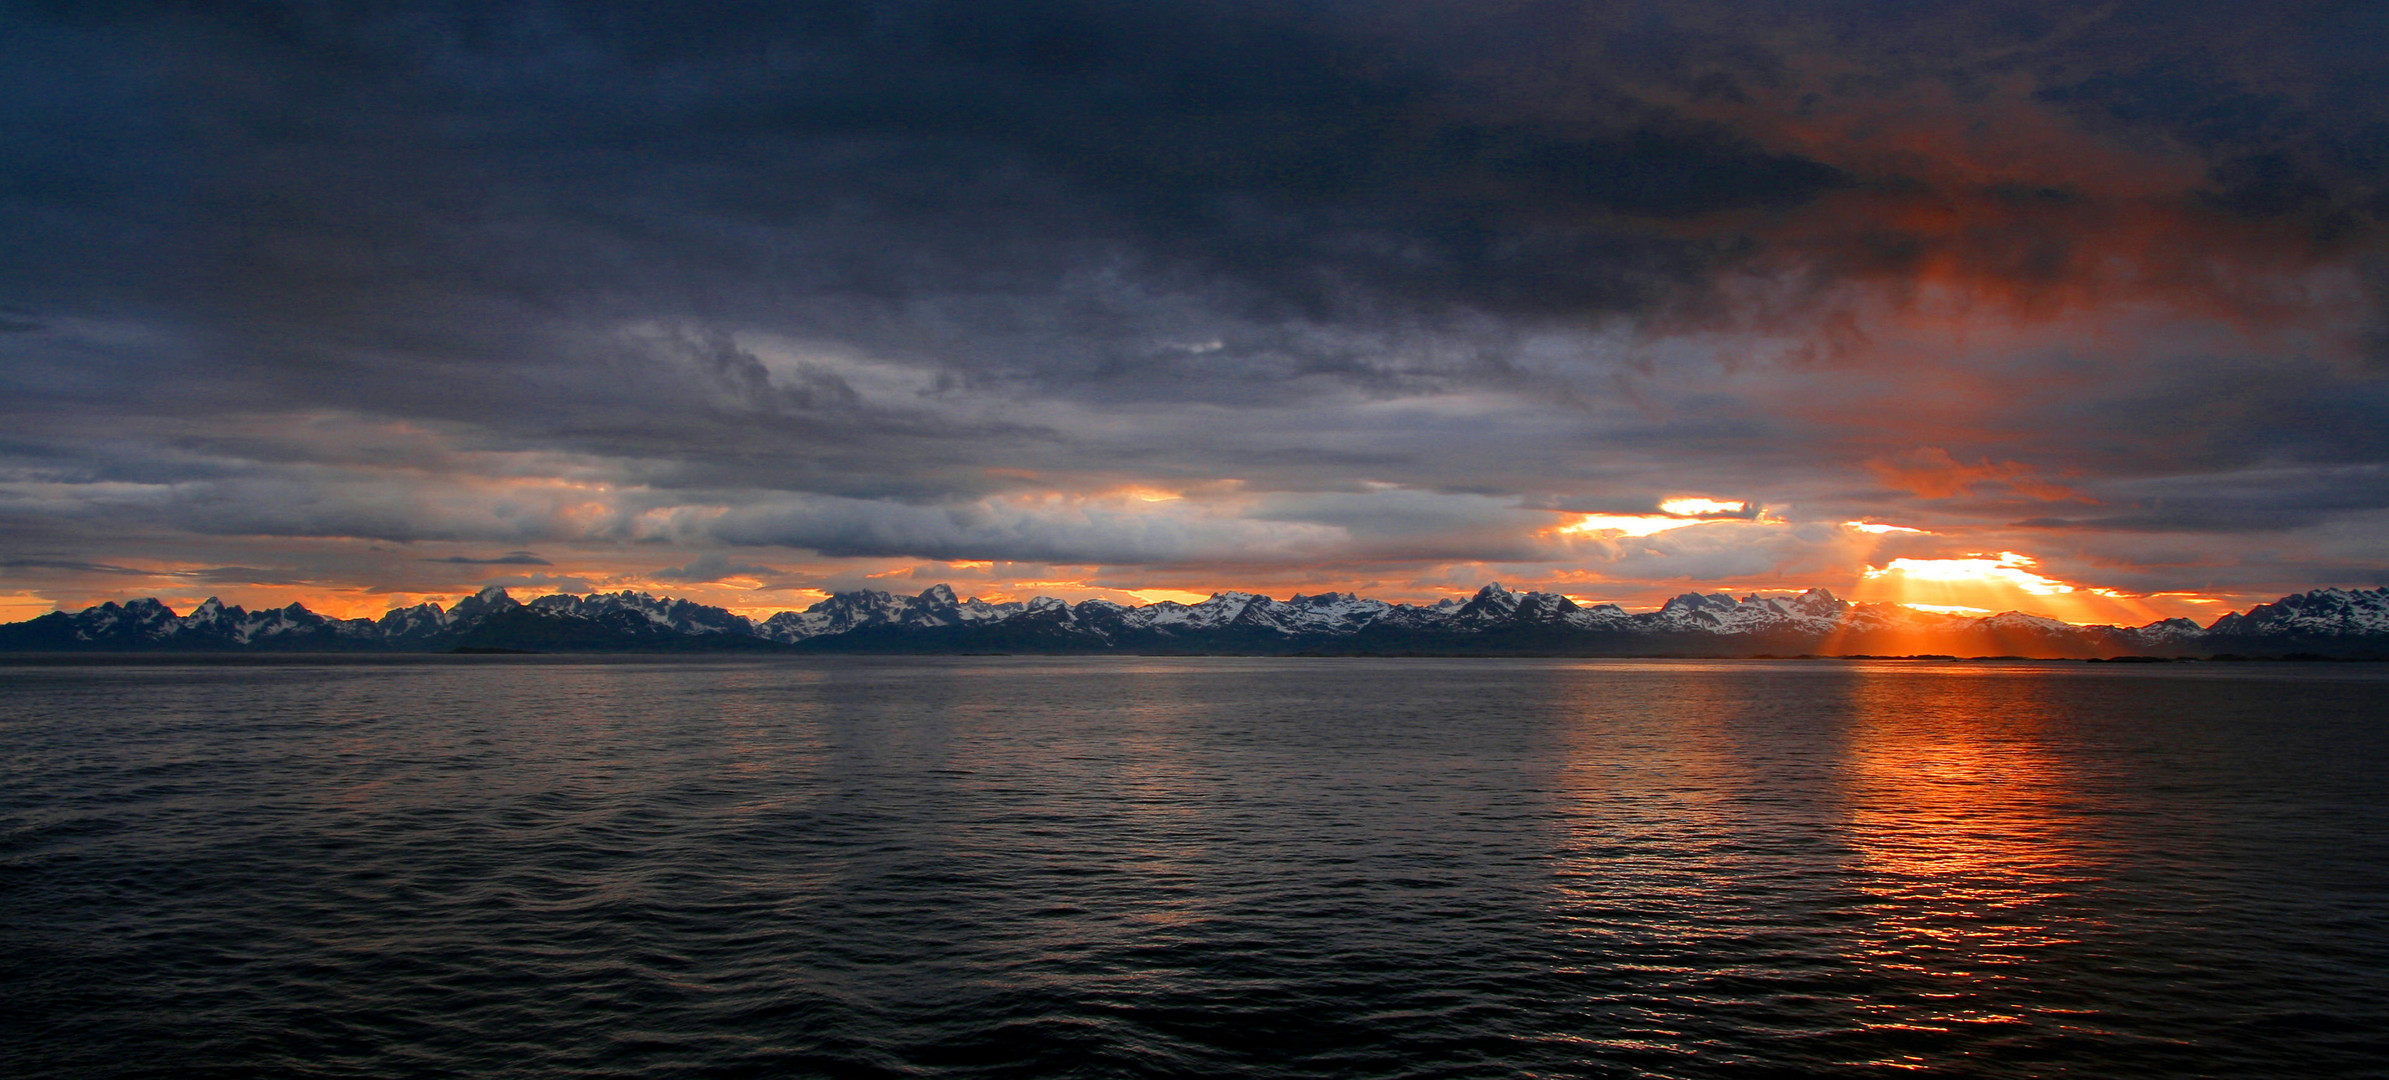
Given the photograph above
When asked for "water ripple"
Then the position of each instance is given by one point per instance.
(972, 867)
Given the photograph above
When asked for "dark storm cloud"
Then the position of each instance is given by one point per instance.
(511, 558)
(2253, 500)
(215, 575)
(245, 575)
(440, 183)
(345, 187)
(538, 583)
(850, 276)
(74, 565)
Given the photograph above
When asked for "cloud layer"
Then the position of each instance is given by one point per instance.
(353, 302)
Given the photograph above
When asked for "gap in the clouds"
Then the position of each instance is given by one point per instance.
(18, 606)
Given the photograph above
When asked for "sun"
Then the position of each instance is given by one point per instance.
(2007, 568)
(1693, 506)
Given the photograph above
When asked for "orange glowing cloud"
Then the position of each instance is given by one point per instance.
(1931, 472)
(2008, 199)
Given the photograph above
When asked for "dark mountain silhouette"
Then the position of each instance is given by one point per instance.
(1496, 621)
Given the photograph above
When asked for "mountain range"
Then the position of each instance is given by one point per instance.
(1496, 621)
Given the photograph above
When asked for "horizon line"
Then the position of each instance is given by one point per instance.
(1491, 586)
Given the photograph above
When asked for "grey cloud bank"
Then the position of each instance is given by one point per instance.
(1379, 289)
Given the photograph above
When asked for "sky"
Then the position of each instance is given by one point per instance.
(2074, 308)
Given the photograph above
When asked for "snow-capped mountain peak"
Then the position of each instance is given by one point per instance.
(2319, 613)
(481, 604)
(2339, 621)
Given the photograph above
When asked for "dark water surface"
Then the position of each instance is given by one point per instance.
(1193, 867)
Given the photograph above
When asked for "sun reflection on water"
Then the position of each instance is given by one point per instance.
(1919, 826)
(1970, 850)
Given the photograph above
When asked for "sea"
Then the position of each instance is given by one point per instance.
(1192, 867)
